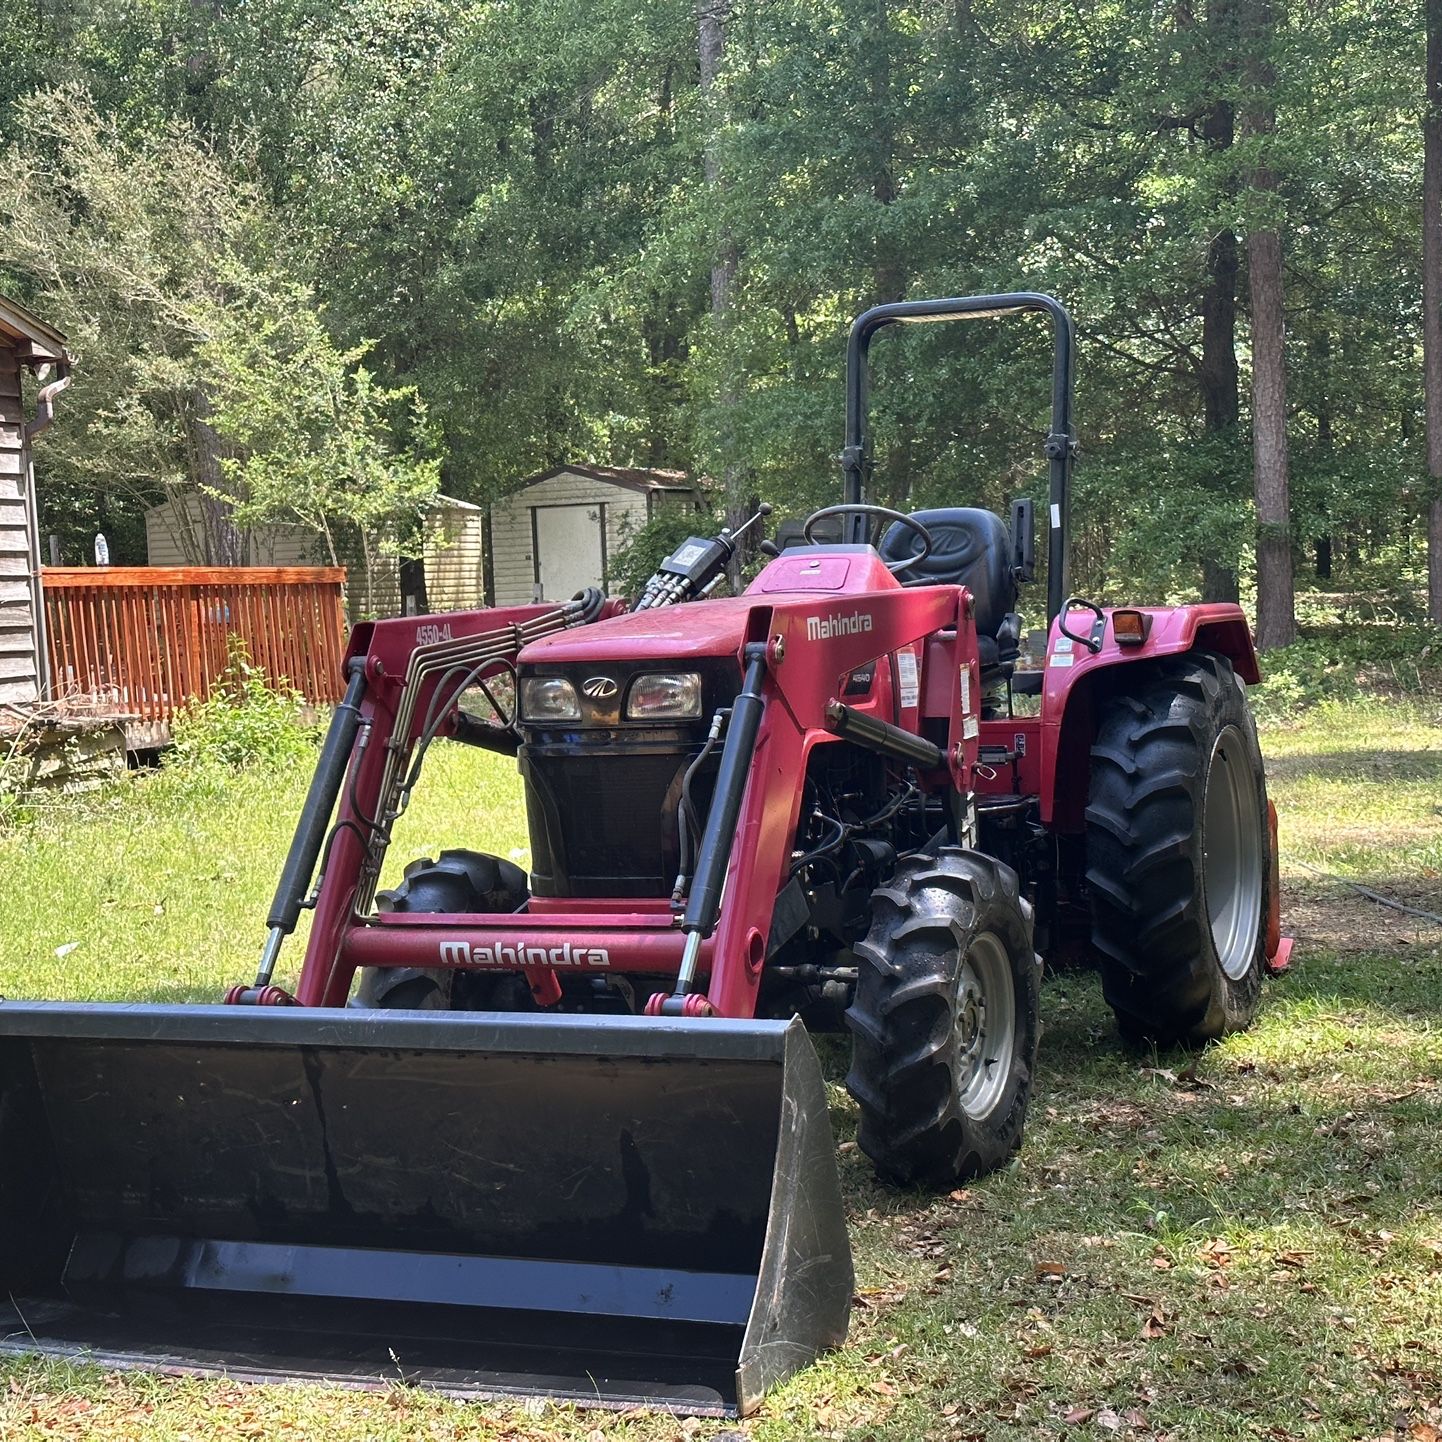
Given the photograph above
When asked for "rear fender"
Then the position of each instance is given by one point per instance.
(1078, 680)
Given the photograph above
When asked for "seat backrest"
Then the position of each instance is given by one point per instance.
(793, 533)
(970, 548)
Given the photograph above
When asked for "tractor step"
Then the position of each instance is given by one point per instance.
(617, 1211)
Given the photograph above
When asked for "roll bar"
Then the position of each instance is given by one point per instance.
(856, 463)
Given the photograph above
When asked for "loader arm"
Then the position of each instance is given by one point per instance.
(805, 661)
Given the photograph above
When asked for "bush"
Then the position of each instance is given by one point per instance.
(1346, 660)
(15, 805)
(250, 721)
(645, 548)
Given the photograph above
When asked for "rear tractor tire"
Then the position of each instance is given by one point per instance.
(945, 1020)
(459, 881)
(1178, 854)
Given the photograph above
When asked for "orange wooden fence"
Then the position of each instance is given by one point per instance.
(145, 639)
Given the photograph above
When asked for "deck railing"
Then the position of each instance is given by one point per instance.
(146, 639)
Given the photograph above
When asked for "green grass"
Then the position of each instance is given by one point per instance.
(1248, 1247)
(158, 890)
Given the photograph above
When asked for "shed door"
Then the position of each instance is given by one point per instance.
(570, 549)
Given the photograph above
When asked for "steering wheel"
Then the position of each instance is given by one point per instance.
(879, 513)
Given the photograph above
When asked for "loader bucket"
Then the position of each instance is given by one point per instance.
(611, 1210)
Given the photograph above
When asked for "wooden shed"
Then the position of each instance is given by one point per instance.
(453, 554)
(26, 342)
(556, 534)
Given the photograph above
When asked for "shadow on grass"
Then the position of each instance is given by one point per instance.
(1385, 767)
(1231, 1134)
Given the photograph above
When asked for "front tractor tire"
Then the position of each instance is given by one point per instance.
(457, 881)
(945, 1020)
(1178, 854)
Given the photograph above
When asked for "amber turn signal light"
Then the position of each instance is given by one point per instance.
(1131, 628)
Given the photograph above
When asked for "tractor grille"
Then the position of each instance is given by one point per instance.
(603, 816)
(602, 794)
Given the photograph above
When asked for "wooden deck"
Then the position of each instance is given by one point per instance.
(145, 640)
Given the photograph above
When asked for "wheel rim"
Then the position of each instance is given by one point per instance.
(985, 1026)
(1232, 855)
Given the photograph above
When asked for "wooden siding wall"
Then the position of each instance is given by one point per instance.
(453, 558)
(19, 665)
(513, 561)
(269, 545)
(144, 640)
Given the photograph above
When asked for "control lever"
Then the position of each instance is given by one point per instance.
(762, 511)
(695, 567)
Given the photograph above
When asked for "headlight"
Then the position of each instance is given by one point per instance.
(549, 698)
(664, 696)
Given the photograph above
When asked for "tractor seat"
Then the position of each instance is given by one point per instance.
(971, 548)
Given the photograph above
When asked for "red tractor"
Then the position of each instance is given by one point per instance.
(606, 1170)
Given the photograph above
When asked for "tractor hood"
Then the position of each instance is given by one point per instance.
(716, 628)
(669, 633)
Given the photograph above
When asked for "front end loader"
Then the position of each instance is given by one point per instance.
(561, 1130)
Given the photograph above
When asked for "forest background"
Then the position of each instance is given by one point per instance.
(318, 260)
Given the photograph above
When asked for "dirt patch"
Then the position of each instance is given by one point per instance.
(1330, 916)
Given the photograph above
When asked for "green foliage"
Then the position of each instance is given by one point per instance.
(16, 803)
(382, 239)
(631, 567)
(251, 720)
(1339, 663)
(205, 367)
(311, 431)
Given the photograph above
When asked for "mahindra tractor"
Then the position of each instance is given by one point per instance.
(561, 1129)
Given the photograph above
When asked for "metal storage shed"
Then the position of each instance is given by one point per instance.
(556, 534)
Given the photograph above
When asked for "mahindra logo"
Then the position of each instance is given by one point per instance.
(462, 953)
(600, 688)
(823, 628)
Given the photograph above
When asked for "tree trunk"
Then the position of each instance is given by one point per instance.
(1219, 377)
(889, 268)
(1276, 612)
(1432, 302)
(1276, 617)
(222, 541)
(1322, 544)
(711, 20)
(889, 278)
(664, 325)
(1221, 403)
(663, 331)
